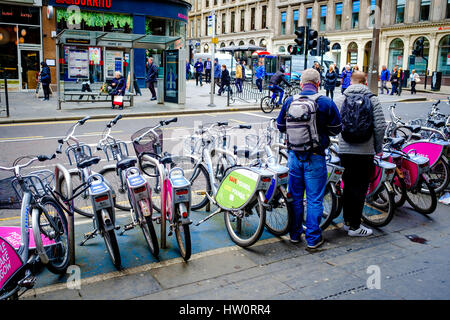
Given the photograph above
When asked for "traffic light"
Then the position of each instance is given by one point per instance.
(311, 40)
(418, 48)
(325, 45)
(300, 41)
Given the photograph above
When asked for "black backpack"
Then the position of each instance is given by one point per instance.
(357, 118)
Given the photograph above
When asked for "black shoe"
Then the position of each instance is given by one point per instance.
(153, 99)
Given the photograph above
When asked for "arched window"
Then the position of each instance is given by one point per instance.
(223, 45)
(420, 63)
(367, 53)
(231, 43)
(444, 56)
(263, 43)
(336, 52)
(206, 48)
(395, 54)
(252, 42)
(241, 43)
(352, 53)
(281, 49)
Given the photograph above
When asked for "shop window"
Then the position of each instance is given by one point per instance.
(336, 51)
(338, 23)
(420, 63)
(29, 34)
(323, 17)
(8, 50)
(424, 10)
(395, 53)
(444, 56)
(20, 15)
(352, 54)
(355, 14)
(400, 11)
(157, 27)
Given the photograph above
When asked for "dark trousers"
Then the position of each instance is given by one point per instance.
(358, 171)
(208, 75)
(394, 88)
(46, 88)
(198, 77)
(238, 84)
(343, 90)
(259, 83)
(151, 86)
(413, 87)
(224, 87)
(331, 93)
(85, 88)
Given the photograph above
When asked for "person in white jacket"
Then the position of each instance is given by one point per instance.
(414, 78)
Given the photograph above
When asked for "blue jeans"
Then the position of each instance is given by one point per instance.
(259, 83)
(276, 90)
(307, 174)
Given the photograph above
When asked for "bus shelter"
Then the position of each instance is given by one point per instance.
(92, 58)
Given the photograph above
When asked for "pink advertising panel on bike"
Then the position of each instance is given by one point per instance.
(430, 150)
(12, 235)
(10, 262)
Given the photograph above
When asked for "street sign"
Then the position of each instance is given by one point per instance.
(215, 40)
(211, 25)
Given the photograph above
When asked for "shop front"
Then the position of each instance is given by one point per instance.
(20, 45)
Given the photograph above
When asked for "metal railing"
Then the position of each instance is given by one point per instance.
(4, 100)
(250, 92)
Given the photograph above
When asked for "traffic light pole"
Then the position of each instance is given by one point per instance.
(372, 80)
(306, 47)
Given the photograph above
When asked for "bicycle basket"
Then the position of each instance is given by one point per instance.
(9, 199)
(36, 182)
(149, 142)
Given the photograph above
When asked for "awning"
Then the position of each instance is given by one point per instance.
(114, 39)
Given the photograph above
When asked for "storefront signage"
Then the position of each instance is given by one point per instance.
(115, 44)
(171, 76)
(78, 41)
(87, 3)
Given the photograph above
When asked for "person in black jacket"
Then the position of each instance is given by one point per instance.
(46, 79)
(151, 77)
(118, 87)
(330, 82)
(224, 80)
(275, 82)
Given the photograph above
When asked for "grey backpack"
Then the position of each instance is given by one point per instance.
(301, 127)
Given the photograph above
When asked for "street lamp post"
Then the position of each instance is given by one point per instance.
(212, 25)
(372, 80)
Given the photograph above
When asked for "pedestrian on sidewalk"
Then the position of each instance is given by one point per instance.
(384, 78)
(394, 80)
(225, 80)
(306, 155)
(318, 68)
(239, 78)
(119, 86)
(46, 79)
(188, 70)
(401, 76)
(217, 73)
(330, 82)
(198, 66)
(359, 141)
(260, 72)
(152, 77)
(208, 68)
(414, 78)
(345, 76)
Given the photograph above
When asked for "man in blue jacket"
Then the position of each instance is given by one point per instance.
(217, 73)
(308, 170)
(152, 75)
(384, 78)
(198, 66)
(259, 74)
(208, 66)
(346, 76)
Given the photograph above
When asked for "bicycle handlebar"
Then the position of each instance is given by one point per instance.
(152, 130)
(114, 121)
(166, 122)
(17, 167)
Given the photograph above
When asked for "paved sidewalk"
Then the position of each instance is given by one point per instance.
(26, 107)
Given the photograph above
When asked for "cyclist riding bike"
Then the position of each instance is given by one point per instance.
(274, 85)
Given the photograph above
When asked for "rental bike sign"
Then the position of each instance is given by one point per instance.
(237, 188)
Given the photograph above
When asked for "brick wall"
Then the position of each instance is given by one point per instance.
(49, 44)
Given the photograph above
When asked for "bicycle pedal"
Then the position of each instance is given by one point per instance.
(128, 227)
(117, 227)
(27, 282)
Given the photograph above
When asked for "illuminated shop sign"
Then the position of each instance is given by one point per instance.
(87, 3)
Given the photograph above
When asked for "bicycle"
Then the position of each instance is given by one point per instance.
(49, 242)
(95, 188)
(132, 183)
(175, 189)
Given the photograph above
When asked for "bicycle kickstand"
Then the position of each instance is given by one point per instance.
(209, 217)
(88, 236)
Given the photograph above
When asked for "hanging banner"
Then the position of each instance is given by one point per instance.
(171, 76)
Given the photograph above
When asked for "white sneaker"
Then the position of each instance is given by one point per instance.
(360, 232)
(346, 227)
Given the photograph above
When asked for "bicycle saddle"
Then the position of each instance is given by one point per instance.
(335, 160)
(166, 160)
(438, 123)
(414, 128)
(397, 142)
(88, 162)
(126, 163)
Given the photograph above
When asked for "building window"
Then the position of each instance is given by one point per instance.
(425, 10)
(199, 5)
(395, 54)
(198, 28)
(336, 51)
(444, 56)
(206, 26)
(192, 28)
(283, 23)
(252, 19)
(242, 20)
(323, 17)
(264, 12)
(420, 64)
(282, 49)
(233, 21)
(207, 3)
(355, 14)
(308, 16)
(224, 19)
(295, 21)
(352, 54)
(372, 13)
(400, 12)
(338, 24)
(448, 10)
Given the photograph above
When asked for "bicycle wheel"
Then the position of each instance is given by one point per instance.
(53, 228)
(198, 176)
(422, 202)
(183, 236)
(112, 246)
(267, 105)
(82, 203)
(283, 158)
(246, 225)
(439, 176)
(152, 176)
(121, 201)
(330, 206)
(399, 186)
(148, 229)
(279, 215)
(379, 210)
